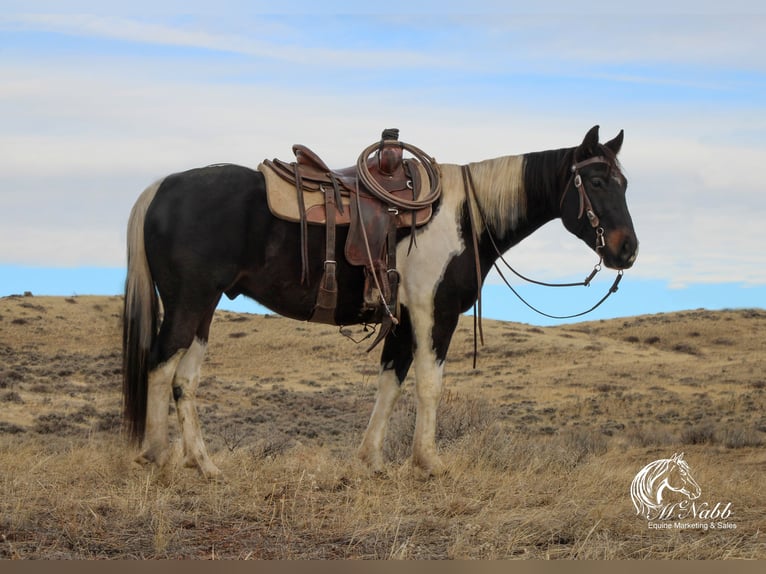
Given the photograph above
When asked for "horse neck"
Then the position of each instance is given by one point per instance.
(664, 485)
(662, 475)
(518, 194)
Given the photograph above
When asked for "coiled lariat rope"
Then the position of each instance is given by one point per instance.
(428, 163)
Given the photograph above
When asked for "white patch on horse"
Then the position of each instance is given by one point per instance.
(422, 271)
(437, 243)
(428, 390)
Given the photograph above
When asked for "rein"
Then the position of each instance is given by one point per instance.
(586, 208)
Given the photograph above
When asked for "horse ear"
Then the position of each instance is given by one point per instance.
(589, 145)
(616, 143)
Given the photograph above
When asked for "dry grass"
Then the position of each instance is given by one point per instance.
(542, 442)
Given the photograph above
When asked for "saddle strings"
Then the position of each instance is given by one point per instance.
(382, 296)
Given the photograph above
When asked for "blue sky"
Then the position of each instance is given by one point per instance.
(98, 101)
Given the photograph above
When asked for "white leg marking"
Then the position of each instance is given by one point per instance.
(185, 390)
(156, 447)
(371, 449)
(428, 390)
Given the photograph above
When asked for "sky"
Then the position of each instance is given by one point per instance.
(98, 100)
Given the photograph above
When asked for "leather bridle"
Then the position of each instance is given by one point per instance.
(586, 207)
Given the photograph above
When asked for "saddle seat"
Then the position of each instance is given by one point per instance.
(308, 191)
(387, 167)
(403, 179)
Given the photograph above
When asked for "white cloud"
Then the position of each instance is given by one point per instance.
(261, 45)
(83, 134)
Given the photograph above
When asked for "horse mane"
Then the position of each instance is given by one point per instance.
(642, 488)
(503, 184)
(500, 191)
(547, 172)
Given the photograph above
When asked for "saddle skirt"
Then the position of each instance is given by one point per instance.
(284, 204)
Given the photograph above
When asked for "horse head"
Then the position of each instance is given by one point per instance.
(679, 478)
(593, 205)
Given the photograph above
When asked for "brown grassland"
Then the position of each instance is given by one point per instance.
(542, 441)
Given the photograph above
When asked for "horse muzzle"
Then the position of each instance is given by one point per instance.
(620, 249)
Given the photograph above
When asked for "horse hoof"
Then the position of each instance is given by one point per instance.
(219, 478)
(212, 473)
(149, 457)
(431, 469)
(373, 462)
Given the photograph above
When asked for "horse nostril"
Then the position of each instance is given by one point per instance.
(622, 246)
(629, 250)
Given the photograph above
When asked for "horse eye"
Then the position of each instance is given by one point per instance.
(597, 182)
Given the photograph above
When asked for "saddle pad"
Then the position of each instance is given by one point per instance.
(283, 202)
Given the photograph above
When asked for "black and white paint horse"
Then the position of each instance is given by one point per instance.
(197, 235)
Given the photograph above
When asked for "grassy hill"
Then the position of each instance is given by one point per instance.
(542, 441)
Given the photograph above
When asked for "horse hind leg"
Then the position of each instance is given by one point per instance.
(180, 350)
(185, 386)
(156, 448)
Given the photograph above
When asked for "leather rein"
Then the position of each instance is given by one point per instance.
(586, 208)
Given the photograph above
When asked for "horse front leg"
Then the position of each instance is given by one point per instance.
(371, 450)
(428, 391)
(395, 362)
(433, 333)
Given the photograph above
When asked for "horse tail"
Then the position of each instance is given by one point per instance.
(139, 321)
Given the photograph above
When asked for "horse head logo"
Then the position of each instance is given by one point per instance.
(651, 483)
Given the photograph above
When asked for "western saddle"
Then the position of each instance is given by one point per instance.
(380, 194)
